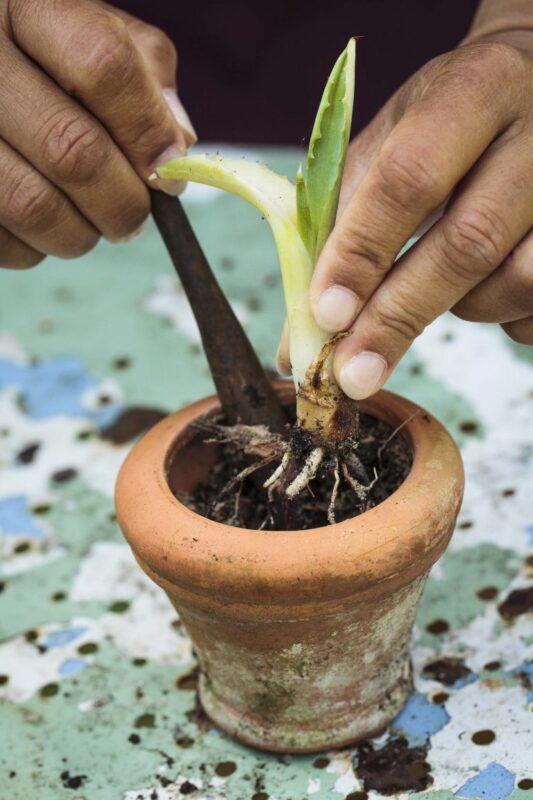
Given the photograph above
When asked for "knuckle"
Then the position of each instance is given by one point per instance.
(520, 271)
(406, 178)
(32, 203)
(474, 242)
(150, 137)
(400, 319)
(107, 54)
(74, 148)
(156, 42)
(501, 56)
(356, 255)
(133, 216)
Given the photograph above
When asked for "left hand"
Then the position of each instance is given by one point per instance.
(461, 126)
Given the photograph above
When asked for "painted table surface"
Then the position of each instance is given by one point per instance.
(97, 686)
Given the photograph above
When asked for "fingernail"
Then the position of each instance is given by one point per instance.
(336, 309)
(173, 188)
(129, 237)
(181, 116)
(361, 376)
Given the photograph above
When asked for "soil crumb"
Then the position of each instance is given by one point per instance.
(386, 458)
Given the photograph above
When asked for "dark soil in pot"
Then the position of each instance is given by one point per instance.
(384, 453)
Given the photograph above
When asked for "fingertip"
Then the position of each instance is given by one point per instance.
(336, 308)
(362, 375)
(173, 188)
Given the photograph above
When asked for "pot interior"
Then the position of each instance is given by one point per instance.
(191, 459)
(190, 462)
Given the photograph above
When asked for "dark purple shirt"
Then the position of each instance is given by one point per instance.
(254, 72)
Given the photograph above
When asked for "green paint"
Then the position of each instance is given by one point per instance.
(453, 597)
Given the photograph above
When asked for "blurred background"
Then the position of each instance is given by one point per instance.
(254, 72)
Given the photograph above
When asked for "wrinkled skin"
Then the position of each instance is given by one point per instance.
(460, 130)
(87, 109)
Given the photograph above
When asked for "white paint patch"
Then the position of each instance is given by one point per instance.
(347, 783)
(146, 631)
(477, 364)
(11, 350)
(59, 446)
(173, 792)
(41, 551)
(93, 703)
(90, 399)
(475, 708)
(341, 764)
(313, 785)
(109, 572)
(29, 669)
(170, 302)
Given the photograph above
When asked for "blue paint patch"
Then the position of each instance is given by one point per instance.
(55, 387)
(15, 519)
(72, 665)
(420, 719)
(63, 637)
(492, 783)
(460, 683)
(529, 531)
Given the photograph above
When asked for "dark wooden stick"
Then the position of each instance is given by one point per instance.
(246, 394)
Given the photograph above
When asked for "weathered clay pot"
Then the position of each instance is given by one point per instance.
(302, 636)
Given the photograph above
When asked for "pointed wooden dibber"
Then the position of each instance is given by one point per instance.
(245, 392)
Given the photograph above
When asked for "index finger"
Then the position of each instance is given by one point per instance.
(89, 52)
(424, 157)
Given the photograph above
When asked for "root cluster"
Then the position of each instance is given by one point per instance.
(322, 446)
(302, 458)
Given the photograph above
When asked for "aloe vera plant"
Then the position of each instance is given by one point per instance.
(301, 216)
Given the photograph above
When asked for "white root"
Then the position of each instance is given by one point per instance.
(356, 465)
(335, 491)
(373, 481)
(237, 503)
(360, 490)
(245, 472)
(310, 469)
(278, 472)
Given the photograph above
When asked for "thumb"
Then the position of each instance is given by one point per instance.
(335, 307)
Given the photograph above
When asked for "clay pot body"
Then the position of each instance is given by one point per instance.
(302, 636)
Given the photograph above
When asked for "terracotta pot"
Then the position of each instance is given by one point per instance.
(302, 636)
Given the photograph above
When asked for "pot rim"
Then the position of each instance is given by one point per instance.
(392, 543)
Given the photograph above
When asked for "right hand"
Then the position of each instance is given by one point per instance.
(88, 108)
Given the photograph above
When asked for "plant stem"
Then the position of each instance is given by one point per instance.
(245, 392)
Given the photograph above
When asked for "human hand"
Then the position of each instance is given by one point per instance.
(88, 107)
(462, 125)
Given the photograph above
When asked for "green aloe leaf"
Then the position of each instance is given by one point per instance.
(318, 192)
